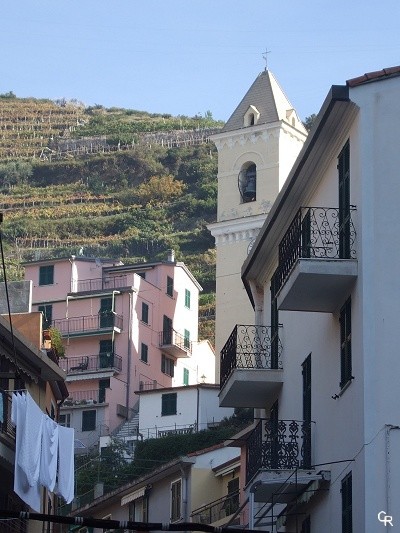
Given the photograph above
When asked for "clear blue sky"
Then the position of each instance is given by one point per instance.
(189, 56)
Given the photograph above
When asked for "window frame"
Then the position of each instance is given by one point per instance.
(186, 339)
(145, 313)
(169, 403)
(185, 376)
(187, 298)
(347, 503)
(170, 286)
(87, 423)
(46, 275)
(167, 365)
(47, 312)
(144, 352)
(345, 344)
(176, 500)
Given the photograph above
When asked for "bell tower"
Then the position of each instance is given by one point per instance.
(256, 150)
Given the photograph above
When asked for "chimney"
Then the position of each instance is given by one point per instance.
(171, 256)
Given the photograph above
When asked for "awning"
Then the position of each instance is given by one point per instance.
(89, 375)
(135, 495)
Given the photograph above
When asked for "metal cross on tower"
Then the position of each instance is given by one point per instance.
(265, 57)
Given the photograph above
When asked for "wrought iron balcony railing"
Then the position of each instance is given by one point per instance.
(278, 445)
(85, 397)
(88, 324)
(173, 338)
(6, 427)
(91, 363)
(251, 347)
(316, 232)
(98, 284)
(217, 510)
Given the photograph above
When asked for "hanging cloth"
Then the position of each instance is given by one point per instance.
(48, 458)
(65, 480)
(31, 441)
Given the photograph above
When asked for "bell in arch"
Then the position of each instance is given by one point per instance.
(249, 189)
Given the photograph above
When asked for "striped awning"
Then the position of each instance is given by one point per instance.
(135, 495)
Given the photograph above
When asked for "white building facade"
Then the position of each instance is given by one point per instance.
(320, 365)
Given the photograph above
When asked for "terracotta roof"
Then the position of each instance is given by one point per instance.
(377, 75)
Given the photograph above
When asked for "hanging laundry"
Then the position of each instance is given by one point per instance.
(66, 478)
(29, 494)
(31, 443)
(49, 453)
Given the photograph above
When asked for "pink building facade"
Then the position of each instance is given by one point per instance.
(125, 328)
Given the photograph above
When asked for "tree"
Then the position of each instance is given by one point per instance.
(15, 173)
(309, 122)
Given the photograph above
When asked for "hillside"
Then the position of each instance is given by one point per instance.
(127, 185)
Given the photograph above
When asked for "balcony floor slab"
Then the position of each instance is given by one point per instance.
(250, 387)
(318, 285)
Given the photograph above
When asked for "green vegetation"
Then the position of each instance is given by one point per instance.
(133, 204)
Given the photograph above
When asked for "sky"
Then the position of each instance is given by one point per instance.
(188, 57)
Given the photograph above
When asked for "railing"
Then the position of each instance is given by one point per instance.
(173, 338)
(250, 347)
(278, 445)
(88, 324)
(6, 427)
(98, 284)
(185, 430)
(216, 510)
(86, 397)
(316, 232)
(91, 363)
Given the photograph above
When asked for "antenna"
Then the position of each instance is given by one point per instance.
(265, 57)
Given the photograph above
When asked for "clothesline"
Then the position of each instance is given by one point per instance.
(103, 523)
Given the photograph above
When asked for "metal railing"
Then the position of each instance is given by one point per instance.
(173, 338)
(87, 324)
(85, 397)
(278, 445)
(6, 427)
(251, 347)
(98, 284)
(91, 363)
(216, 510)
(316, 232)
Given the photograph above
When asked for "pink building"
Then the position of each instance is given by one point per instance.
(125, 328)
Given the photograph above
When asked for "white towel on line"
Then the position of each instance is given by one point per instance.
(31, 442)
(49, 453)
(66, 479)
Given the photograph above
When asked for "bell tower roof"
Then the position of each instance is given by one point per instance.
(269, 102)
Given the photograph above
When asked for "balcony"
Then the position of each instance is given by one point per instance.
(6, 427)
(175, 344)
(217, 510)
(317, 261)
(278, 445)
(84, 398)
(251, 367)
(89, 325)
(85, 364)
(99, 284)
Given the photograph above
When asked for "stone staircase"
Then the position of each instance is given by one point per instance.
(129, 428)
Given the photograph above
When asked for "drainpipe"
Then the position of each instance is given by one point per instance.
(184, 494)
(128, 370)
(388, 429)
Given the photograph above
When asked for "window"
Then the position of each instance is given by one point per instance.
(46, 275)
(306, 525)
(65, 420)
(103, 385)
(187, 298)
(138, 510)
(144, 350)
(186, 339)
(106, 353)
(145, 313)
(274, 322)
(247, 183)
(89, 420)
(232, 502)
(176, 499)
(47, 312)
(347, 504)
(167, 365)
(344, 202)
(345, 344)
(185, 376)
(170, 286)
(168, 404)
(105, 313)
